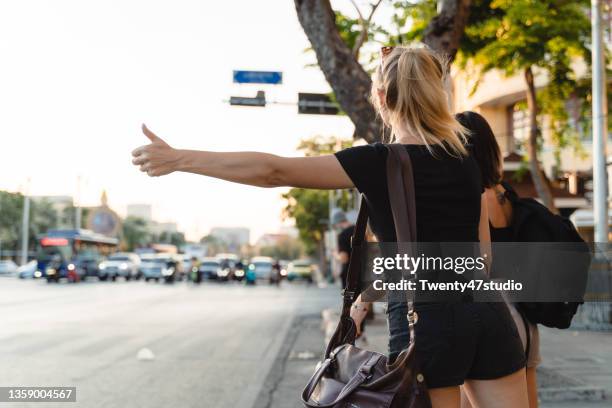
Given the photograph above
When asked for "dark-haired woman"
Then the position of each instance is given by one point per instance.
(488, 156)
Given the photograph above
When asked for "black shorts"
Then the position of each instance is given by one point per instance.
(459, 341)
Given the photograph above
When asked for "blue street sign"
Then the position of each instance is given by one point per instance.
(258, 77)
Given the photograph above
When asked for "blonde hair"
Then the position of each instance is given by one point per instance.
(412, 79)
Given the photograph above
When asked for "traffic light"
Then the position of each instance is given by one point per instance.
(258, 100)
(317, 104)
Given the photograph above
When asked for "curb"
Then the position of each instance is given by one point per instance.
(563, 389)
(584, 393)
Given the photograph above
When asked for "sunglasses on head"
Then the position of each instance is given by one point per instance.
(384, 51)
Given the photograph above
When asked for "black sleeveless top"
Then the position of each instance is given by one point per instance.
(447, 191)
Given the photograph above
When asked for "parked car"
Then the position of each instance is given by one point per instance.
(124, 264)
(210, 268)
(85, 265)
(263, 266)
(161, 266)
(29, 271)
(300, 270)
(8, 267)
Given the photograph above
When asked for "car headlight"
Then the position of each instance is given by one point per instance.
(223, 272)
(168, 271)
(102, 266)
(123, 266)
(50, 271)
(71, 267)
(239, 273)
(37, 274)
(283, 272)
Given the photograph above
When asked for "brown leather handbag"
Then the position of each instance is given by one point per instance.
(357, 378)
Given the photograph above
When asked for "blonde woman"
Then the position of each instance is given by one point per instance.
(475, 344)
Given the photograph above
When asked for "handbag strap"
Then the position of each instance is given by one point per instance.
(402, 198)
(362, 375)
(400, 182)
(346, 331)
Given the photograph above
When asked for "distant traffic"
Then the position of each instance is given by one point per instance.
(76, 255)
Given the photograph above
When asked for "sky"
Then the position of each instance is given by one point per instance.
(78, 77)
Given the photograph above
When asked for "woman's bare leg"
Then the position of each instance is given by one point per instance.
(532, 387)
(447, 397)
(465, 402)
(506, 392)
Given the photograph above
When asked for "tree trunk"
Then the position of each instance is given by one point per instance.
(444, 31)
(349, 81)
(541, 185)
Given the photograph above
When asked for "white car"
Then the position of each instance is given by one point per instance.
(8, 267)
(122, 264)
(29, 271)
(161, 266)
(210, 268)
(263, 266)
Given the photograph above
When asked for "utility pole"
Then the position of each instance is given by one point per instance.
(77, 205)
(331, 203)
(25, 225)
(599, 113)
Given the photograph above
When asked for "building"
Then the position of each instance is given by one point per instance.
(159, 228)
(289, 230)
(144, 211)
(501, 100)
(271, 239)
(234, 237)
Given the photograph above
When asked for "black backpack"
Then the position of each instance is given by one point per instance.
(533, 222)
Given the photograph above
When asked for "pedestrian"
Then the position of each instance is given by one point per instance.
(486, 152)
(458, 343)
(195, 270)
(275, 276)
(345, 231)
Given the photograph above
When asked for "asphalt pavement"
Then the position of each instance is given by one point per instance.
(211, 346)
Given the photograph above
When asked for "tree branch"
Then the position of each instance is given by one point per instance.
(349, 81)
(365, 27)
(444, 31)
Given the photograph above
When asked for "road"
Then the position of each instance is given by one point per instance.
(213, 345)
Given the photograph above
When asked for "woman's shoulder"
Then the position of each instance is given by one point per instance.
(364, 164)
(376, 148)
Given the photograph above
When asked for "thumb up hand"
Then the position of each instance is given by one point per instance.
(157, 158)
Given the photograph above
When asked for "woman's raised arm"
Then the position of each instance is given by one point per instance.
(253, 168)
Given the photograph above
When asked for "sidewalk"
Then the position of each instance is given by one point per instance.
(576, 370)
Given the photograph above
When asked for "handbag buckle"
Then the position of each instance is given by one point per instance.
(348, 294)
(413, 317)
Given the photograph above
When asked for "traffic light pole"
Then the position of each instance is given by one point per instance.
(25, 227)
(599, 119)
